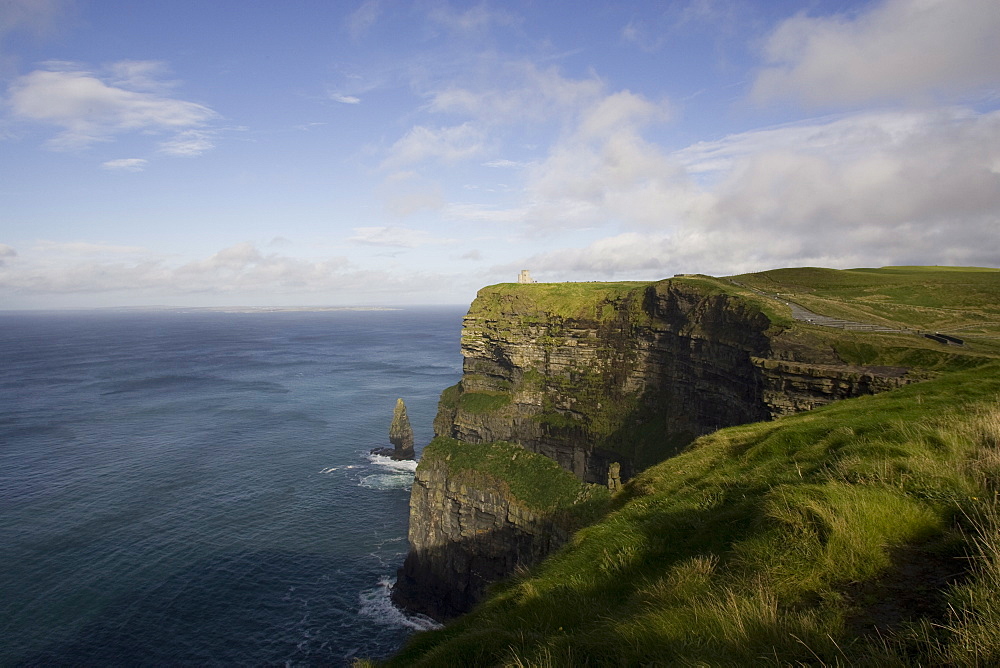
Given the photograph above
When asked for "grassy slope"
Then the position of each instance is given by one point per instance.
(823, 537)
(769, 543)
(962, 301)
(959, 300)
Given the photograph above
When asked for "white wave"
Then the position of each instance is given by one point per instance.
(338, 468)
(390, 463)
(376, 604)
(386, 481)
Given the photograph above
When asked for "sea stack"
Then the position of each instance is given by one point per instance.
(400, 435)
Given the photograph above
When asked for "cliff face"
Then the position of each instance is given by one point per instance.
(605, 380)
(632, 378)
(480, 512)
(464, 538)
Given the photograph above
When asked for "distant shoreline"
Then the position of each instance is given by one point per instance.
(207, 309)
(263, 309)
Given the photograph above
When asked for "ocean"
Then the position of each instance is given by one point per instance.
(194, 487)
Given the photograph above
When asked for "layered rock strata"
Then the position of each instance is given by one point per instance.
(464, 538)
(638, 376)
(605, 379)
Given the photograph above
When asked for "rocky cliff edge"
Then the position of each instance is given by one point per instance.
(600, 378)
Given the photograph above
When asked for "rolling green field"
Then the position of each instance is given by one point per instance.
(865, 532)
(958, 300)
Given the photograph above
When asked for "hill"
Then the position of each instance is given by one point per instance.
(862, 532)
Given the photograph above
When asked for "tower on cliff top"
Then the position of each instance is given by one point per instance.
(525, 277)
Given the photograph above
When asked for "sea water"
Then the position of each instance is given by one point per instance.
(195, 487)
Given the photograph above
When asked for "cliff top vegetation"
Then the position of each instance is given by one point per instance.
(568, 300)
(958, 300)
(533, 480)
(862, 533)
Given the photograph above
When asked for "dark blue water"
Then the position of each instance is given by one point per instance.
(195, 488)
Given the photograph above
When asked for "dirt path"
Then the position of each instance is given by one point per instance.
(800, 312)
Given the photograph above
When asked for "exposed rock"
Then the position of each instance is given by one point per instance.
(464, 537)
(636, 381)
(614, 476)
(605, 390)
(400, 435)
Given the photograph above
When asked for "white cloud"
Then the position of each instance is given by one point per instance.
(188, 143)
(502, 163)
(449, 144)
(89, 109)
(860, 190)
(472, 21)
(126, 164)
(345, 99)
(395, 237)
(140, 75)
(6, 252)
(604, 171)
(518, 91)
(475, 213)
(898, 49)
(237, 274)
(618, 113)
(890, 184)
(86, 248)
(240, 267)
(629, 254)
(839, 137)
(363, 18)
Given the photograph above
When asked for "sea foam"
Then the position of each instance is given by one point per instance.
(393, 474)
(376, 604)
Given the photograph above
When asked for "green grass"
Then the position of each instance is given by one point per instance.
(963, 300)
(779, 543)
(533, 480)
(568, 300)
(483, 402)
(866, 532)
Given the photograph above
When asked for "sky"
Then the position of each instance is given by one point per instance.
(403, 152)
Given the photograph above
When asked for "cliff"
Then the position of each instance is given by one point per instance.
(592, 374)
(604, 379)
(479, 513)
(864, 531)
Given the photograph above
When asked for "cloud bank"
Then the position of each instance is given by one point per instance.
(899, 49)
(89, 108)
(231, 276)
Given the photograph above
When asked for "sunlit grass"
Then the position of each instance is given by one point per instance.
(756, 547)
(962, 300)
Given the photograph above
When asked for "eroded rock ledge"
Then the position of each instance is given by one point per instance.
(590, 376)
(472, 531)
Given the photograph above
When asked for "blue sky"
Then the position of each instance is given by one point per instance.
(410, 152)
